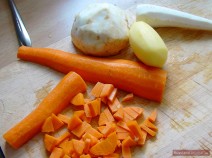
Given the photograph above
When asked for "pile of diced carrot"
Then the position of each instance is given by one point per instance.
(117, 131)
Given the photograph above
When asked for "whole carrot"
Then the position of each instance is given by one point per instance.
(55, 102)
(134, 77)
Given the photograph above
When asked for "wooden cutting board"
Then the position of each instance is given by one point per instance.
(184, 116)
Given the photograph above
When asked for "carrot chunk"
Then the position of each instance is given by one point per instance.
(78, 100)
(114, 106)
(57, 153)
(97, 89)
(128, 97)
(128, 141)
(63, 137)
(106, 146)
(57, 123)
(93, 139)
(50, 142)
(113, 155)
(109, 128)
(105, 117)
(135, 130)
(150, 125)
(106, 90)
(153, 116)
(94, 107)
(112, 95)
(119, 115)
(87, 110)
(126, 152)
(74, 122)
(65, 119)
(66, 156)
(148, 130)
(81, 129)
(93, 132)
(67, 147)
(85, 156)
(47, 126)
(78, 145)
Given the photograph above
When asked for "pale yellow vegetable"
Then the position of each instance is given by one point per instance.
(147, 45)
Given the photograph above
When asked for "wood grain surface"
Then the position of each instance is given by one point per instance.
(184, 117)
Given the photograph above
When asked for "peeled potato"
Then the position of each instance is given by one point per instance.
(147, 44)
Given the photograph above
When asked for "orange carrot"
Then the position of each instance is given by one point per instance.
(94, 107)
(67, 147)
(112, 95)
(66, 156)
(57, 123)
(82, 116)
(119, 115)
(128, 97)
(126, 152)
(57, 153)
(113, 155)
(135, 130)
(78, 100)
(150, 125)
(93, 139)
(65, 119)
(123, 125)
(74, 122)
(48, 125)
(87, 110)
(153, 116)
(50, 142)
(85, 156)
(87, 145)
(94, 132)
(105, 117)
(148, 130)
(81, 129)
(78, 145)
(144, 135)
(134, 77)
(106, 90)
(109, 128)
(128, 141)
(63, 137)
(57, 100)
(106, 146)
(97, 89)
(131, 113)
(122, 135)
(114, 106)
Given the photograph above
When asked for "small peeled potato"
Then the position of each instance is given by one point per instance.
(147, 44)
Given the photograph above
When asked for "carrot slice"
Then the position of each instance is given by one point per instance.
(78, 100)
(108, 115)
(78, 145)
(66, 156)
(93, 132)
(128, 97)
(56, 101)
(122, 135)
(144, 134)
(126, 152)
(119, 115)
(106, 90)
(74, 122)
(82, 116)
(128, 141)
(57, 153)
(153, 116)
(114, 106)
(106, 146)
(47, 126)
(109, 128)
(112, 95)
(63, 137)
(81, 129)
(97, 89)
(135, 130)
(65, 119)
(105, 117)
(113, 155)
(94, 107)
(85, 156)
(87, 145)
(93, 139)
(67, 147)
(87, 110)
(148, 130)
(57, 123)
(123, 125)
(50, 142)
(150, 125)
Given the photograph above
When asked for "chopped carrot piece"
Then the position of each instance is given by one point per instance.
(50, 142)
(65, 119)
(106, 90)
(93, 139)
(66, 156)
(105, 117)
(97, 89)
(81, 129)
(120, 129)
(85, 156)
(67, 147)
(126, 152)
(57, 153)
(94, 107)
(135, 130)
(101, 128)
(109, 128)
(119, 144)
(87, 145)
(48, 125)
(148, 130)
(128, 141)
(78, 145)
(63, 137)
(119, 115)
(114, 106)
(57, 123)
(78, 100)
(122, 135)
(106, 146)
(153, 116)
(94, 132)
(150, 125)
(87, 111)
(144, 134)
(112, 95)
(123, 125)
(74, 122)
(128, 97)
(131, 113)
(138, 110)
(82, 116)
(113, 155)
